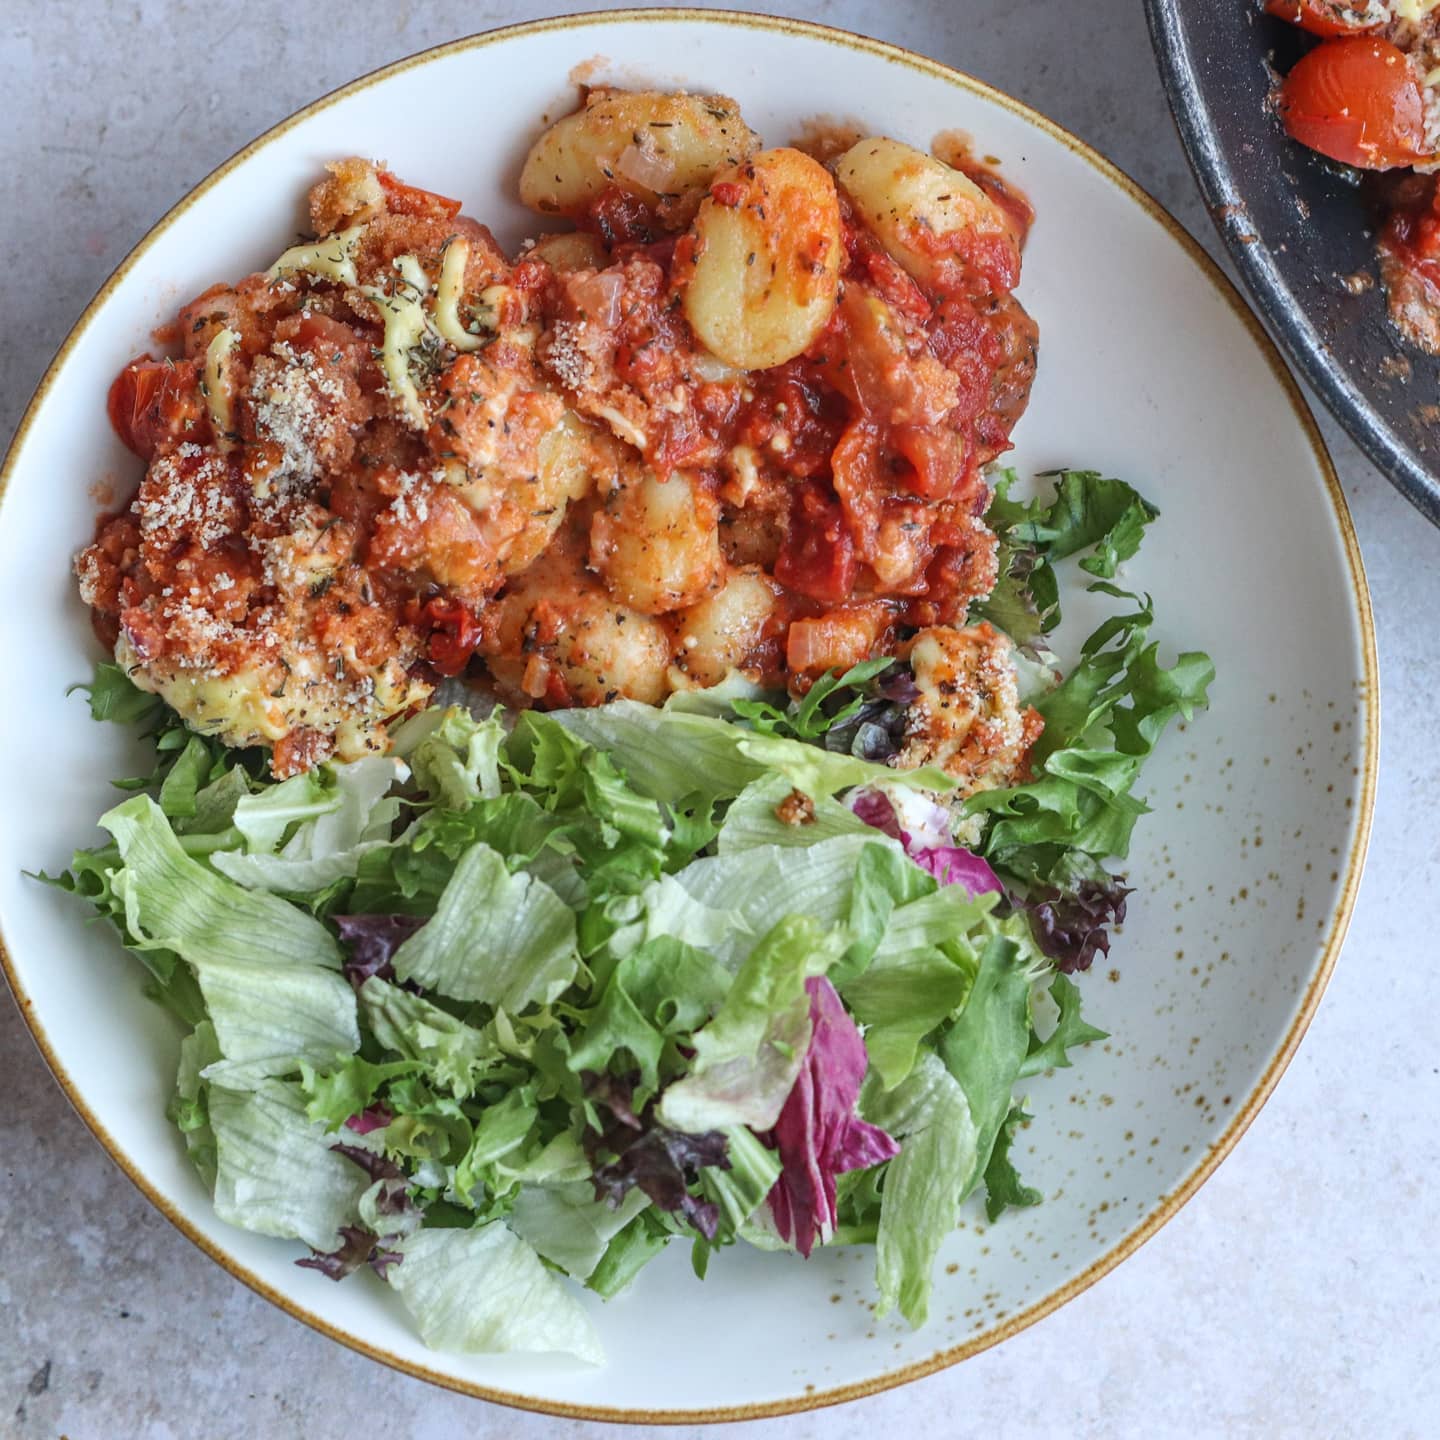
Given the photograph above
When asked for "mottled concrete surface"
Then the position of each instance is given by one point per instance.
(1296, 1296)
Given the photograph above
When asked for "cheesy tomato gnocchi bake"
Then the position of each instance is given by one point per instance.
(730, 412)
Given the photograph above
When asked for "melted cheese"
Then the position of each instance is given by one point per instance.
(405, 323)
(1413, 10)
(217, 386)
(450, 292)
(332, 258)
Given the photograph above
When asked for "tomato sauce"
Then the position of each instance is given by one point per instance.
(333, 518)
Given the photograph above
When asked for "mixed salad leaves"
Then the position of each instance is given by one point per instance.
(533, 997)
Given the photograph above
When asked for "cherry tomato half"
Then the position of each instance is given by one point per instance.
(153, 401)
(1327, 17)
(1358, 101)
(454, 635)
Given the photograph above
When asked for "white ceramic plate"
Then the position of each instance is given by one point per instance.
(1245, 875)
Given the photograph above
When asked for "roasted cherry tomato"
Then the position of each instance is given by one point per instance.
(1328, 17)
(1358, 101)
(453, 637)
(408, 200)
(153, 401)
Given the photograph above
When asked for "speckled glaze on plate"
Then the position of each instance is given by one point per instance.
(1246, 874)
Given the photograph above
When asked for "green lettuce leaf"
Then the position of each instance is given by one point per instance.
(628, 1253)
(1070, 1030)
(1101, 725)
(484, 1291)
(747, 1057)
(669, 754)
(277, 1173)
(265, 968)
(751, 820)
(661, 989)
(749, 888)
(454, 757)
(987, 1043)
(1003, 1186)
(189, 1109)
(175, 902)
(453, 1053)
(1086, 510)
(342, 813)
(740, 1191)
(568, 1226)
(920, 1203)
(507, 940)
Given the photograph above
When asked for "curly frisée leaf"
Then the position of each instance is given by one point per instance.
(484, 1291)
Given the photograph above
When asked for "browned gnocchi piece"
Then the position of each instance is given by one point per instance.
(920, 209)
(663, 149)
(766, 268)
(724, 630)
(573, 250)
(656, 543)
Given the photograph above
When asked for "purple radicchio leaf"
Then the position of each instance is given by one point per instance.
(954, 865)
(949, 864)
(1072, 928)
(357, 1247)
(818, 1134)
(874, 807)
(662, 1162)
(372, 941)
(373, 1117)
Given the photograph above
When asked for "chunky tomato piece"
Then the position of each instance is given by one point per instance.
(818, 556)
(938, 457)
(1358, 101)
(153, 402)
(409, 200)
(619, 218)
(1327, 17)
(454, 634)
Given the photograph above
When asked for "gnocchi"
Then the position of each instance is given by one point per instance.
(725, 630)
(733, 421)
(656, 543)
(767, 252)
(662, 149)
(930, 219)
(572, 250)
(556, 635)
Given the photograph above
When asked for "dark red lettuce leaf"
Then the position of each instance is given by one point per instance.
(357, 1247)
(636, 1150)
(372, 940)
(1072, 927)
(374, 1164)
(818, 1134)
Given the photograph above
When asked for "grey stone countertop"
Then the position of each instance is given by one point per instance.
(1296, 1295)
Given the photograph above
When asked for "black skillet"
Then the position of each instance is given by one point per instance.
(1298, 227)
